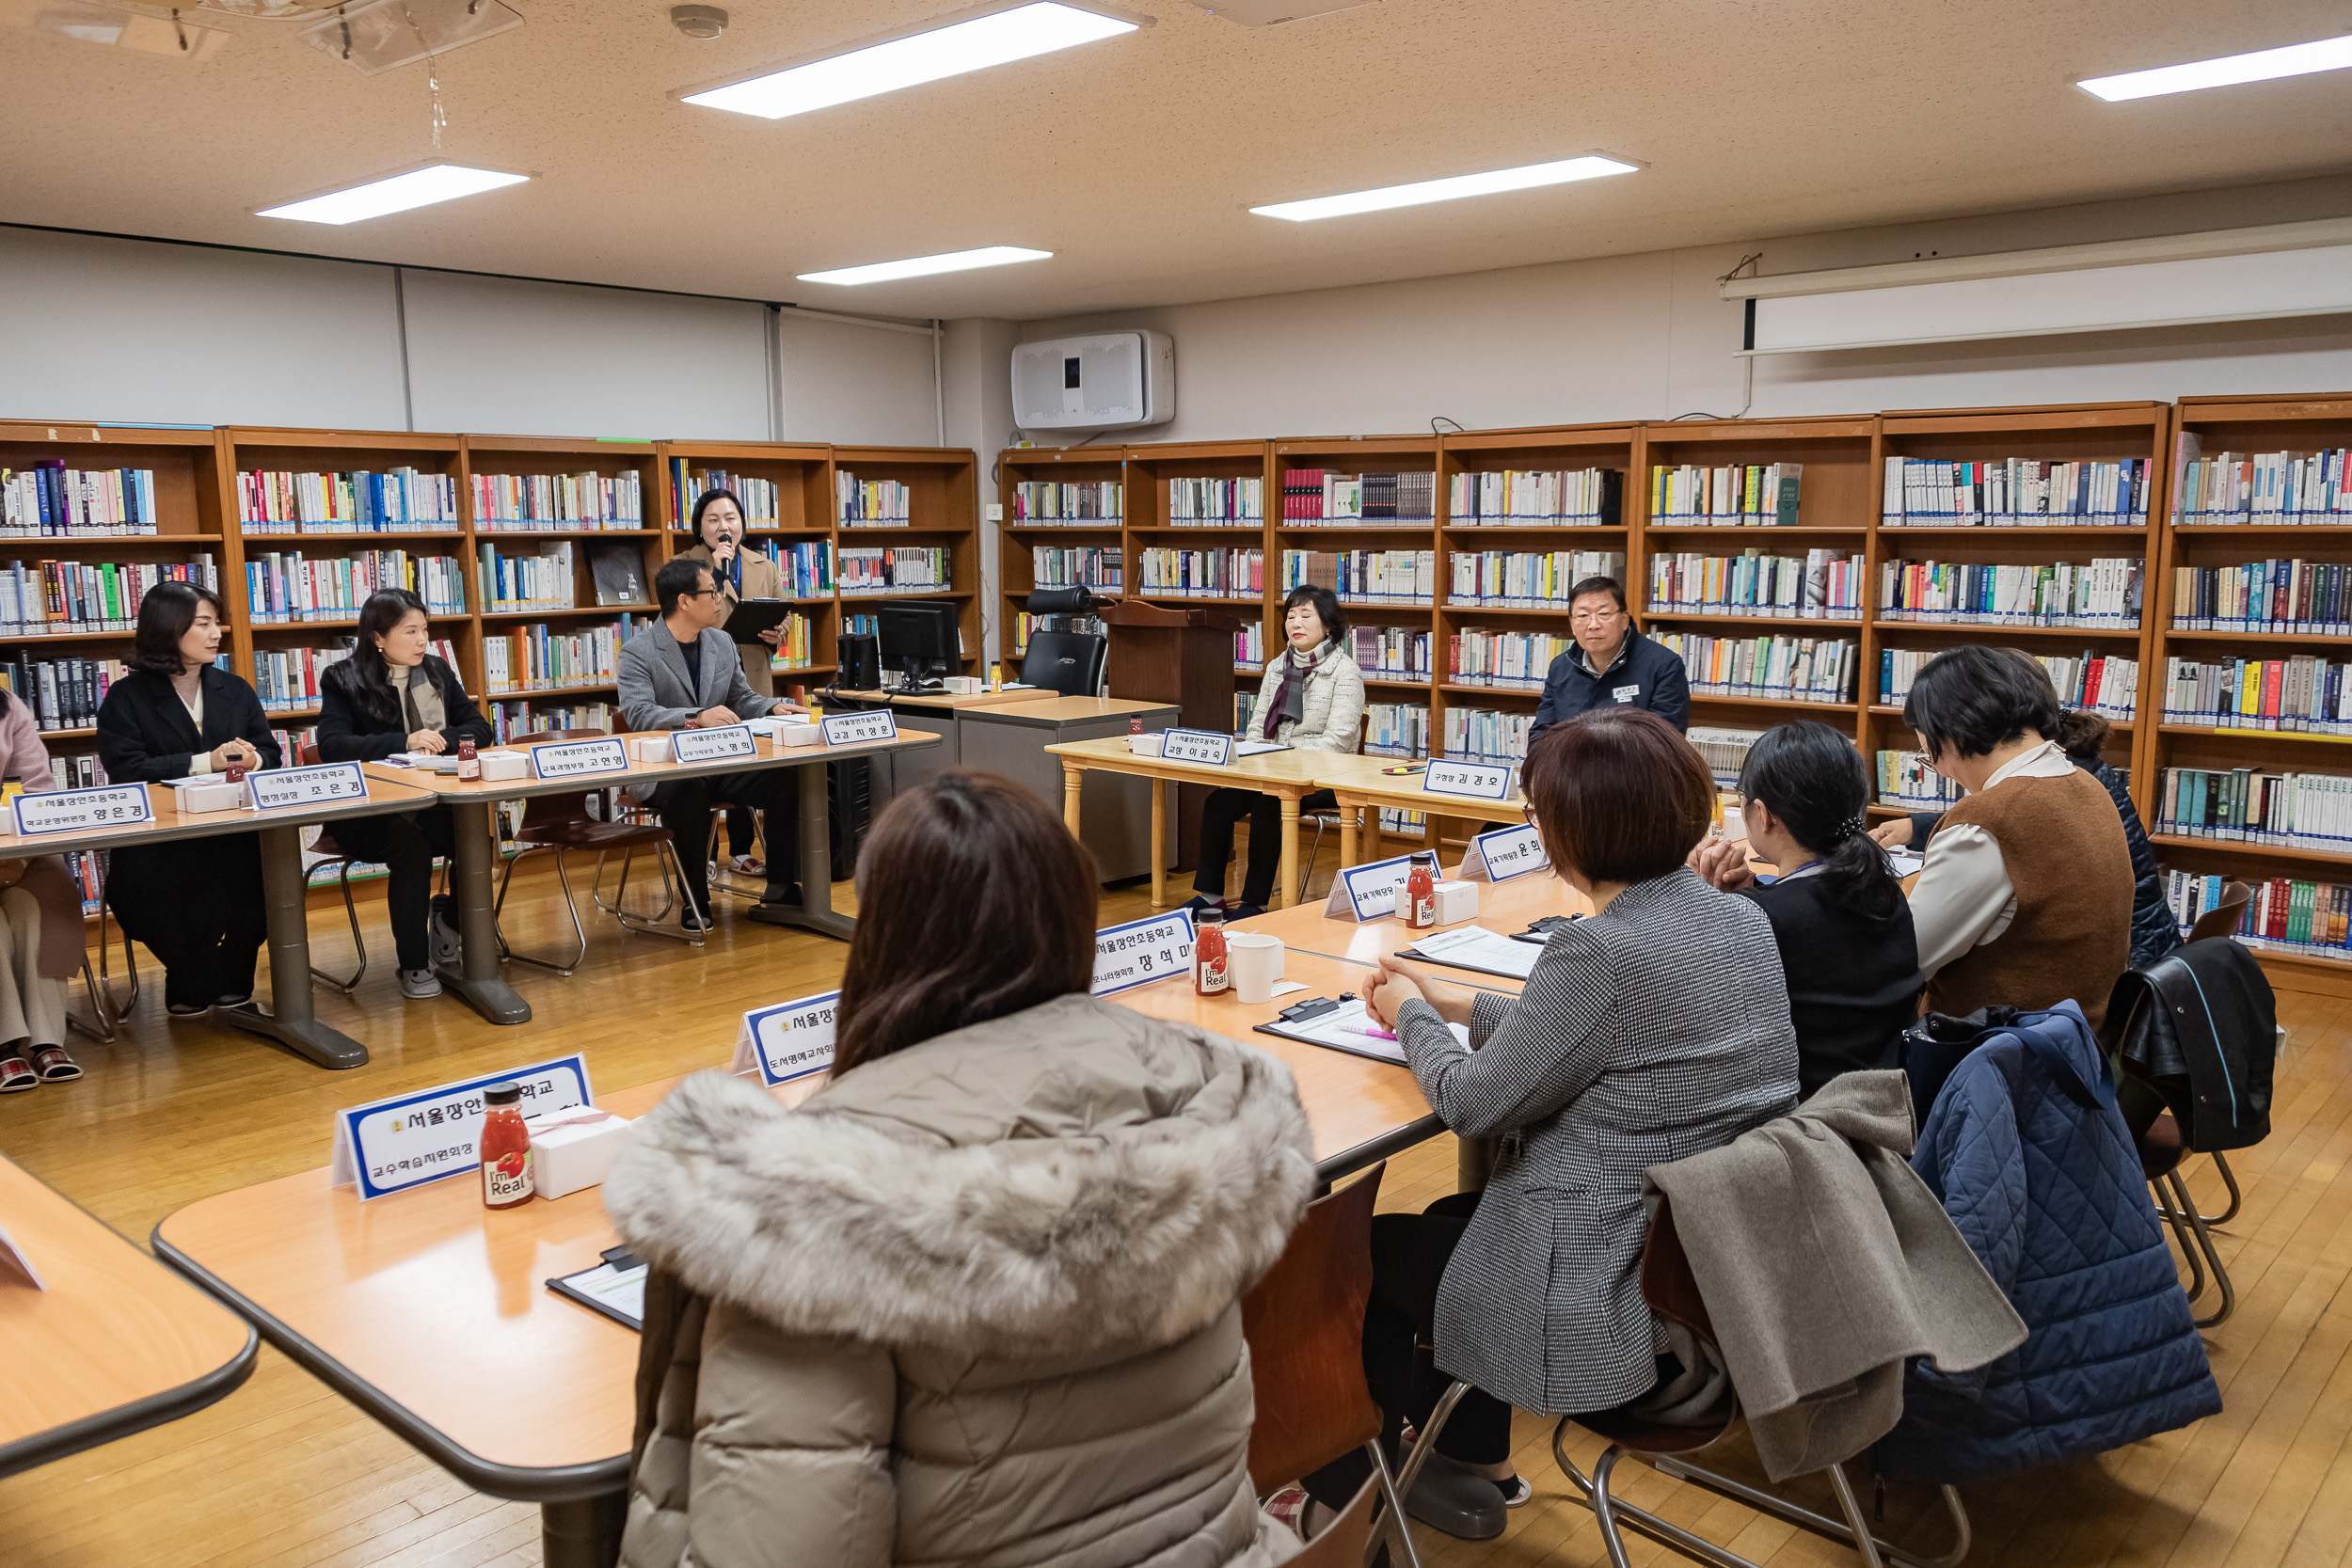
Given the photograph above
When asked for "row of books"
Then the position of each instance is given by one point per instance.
(872, 502)
(1102, 569)
(583, 501)
(510, 719)
(1328, 496)
(1047, 501)
(288, 679)
(1215, 502)
(1748, 494)
(50, 499)
(1399, 653)
(2265, 595)
(283, 588)
(2272, 487)
(542, 579)
(795, 644)
(761, 500)
(1723, 751)
(538, 658)
(2286, 915)
(806, 569)
(1788, 669)
(1486, 734)
(2243, 805)
(1816, 585)
(359, 501)
(55, 596)
(291, 740)
(1243, 704)
(878, 570)
(2303, 693)
(1514, 579)
(1365, 576)
(2102, 683)
(1201, 573)
(1537, 497)
(1396, 729)
(2015, 492)
(62, 693)
(2102, 595)
(1249, 646)
(1513, 661)
(1905, 780)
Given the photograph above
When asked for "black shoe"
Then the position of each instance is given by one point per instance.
(1202, 901)
(1454, 1502)
(779, 912)
(1245, 911)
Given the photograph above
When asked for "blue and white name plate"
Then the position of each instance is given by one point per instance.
(1471, 781)
(791, 1039)
(1141, 951)
(389, 1145)
(575, 759)
(854, 729)
(1203, 747)
(1367, 892)
(1500, 855)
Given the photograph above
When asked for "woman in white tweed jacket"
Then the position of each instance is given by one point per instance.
(1652, 1031)
(1312, 699)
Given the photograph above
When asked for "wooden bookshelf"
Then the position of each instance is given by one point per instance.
(944, 504)
(1019, 539)
(802, 475)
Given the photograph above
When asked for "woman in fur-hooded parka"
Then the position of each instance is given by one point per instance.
(975, 1302)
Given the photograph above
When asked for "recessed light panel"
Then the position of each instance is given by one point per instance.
(923, 266)
(1591, 167)
(418, 188)
(2263, 65)
(996, 37)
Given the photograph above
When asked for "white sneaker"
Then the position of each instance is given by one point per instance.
(448, 946)
(418, 984)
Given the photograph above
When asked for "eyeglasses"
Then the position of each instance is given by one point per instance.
(700, 592)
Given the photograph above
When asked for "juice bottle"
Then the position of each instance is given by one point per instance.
(1421, 891)
(506, 1148)
(468, 761)
(1209, 974)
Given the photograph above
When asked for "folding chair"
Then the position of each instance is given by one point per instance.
(561, 823)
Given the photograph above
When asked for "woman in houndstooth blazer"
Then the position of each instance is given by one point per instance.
(1652, 1031)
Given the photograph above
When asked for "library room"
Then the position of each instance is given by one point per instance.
(986, 783)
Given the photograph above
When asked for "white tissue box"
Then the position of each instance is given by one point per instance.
(799, 734)
(963, 685)
(574, 1148)
(210, 795)
(1456, 901)
(1147, 744)
(649, 748)
(502, 765)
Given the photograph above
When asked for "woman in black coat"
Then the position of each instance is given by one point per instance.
(391, 695)
(196, 903)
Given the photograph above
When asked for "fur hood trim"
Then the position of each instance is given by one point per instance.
(824, 1223)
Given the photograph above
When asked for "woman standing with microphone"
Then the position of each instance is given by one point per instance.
(742, 575)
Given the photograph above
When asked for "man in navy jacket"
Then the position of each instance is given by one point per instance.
(1612, 665)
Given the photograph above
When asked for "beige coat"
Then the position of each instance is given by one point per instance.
(976, 1303)
(761, 580)
(1331, 711)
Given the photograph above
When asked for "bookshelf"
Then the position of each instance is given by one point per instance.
(788, 492)
(890, 500)
(1074, 504)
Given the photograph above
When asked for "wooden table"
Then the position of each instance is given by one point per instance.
(291, 1020)
(1363, 784)
(1505, 907)
(116, 1344)
(475, 976)
(1289, 776)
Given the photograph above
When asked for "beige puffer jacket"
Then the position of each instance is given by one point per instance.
(1331, 711)
(974, 1304)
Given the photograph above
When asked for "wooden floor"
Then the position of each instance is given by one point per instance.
(285, 1474)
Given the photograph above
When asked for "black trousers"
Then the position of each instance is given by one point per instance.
(197, 904)
(684, 808)
(1409, 1253)
(1225, 807)
(741, 832)
(404, 846)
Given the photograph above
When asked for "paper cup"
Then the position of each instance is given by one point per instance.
(1255, 961)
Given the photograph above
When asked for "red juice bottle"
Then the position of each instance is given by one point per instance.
(1210, 976)
(468, 761)
(506, 1174)
(1420, 901)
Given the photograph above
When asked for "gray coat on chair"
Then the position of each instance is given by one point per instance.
(657, 693)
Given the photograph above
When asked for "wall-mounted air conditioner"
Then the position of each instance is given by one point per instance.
(1102, 381)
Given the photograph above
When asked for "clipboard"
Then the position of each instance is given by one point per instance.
(611, 1288)
(750, 617)
(1465, 947)
(1311, 1023)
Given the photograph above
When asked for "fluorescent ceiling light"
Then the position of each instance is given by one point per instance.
(1591, 167)
(923, 266)
(938, 51)
(2295, 59)
(417, 188)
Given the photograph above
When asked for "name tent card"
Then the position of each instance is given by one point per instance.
(1500, 855)
(1472, 781)
(1368, 892)
(573, 759)
(1204, 747)
(389, 1145)
(289, 788)
(717, 744)
(1141, 952)
(851, 729)
(14, 1259)
(69, 810)
(791, 1039)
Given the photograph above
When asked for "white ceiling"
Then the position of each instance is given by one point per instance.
(1134, 159)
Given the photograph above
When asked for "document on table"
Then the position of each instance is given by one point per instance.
(1476, 948)
(1350, 1028)
(1905, 862)
(619, 1293)
(1257, 748)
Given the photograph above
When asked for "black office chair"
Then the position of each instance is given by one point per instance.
(1067, 662)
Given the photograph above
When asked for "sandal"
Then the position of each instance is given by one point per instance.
(17, 1075)
(747, 866)
(1515, 1492)
(55, 1066)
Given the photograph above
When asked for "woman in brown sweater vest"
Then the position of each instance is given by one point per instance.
(2025, 899)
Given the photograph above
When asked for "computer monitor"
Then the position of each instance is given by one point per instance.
(922, 640)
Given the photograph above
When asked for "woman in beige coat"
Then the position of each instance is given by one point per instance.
(742, 573)
(979, 1300)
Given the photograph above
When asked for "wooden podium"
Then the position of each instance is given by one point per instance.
(1178, 654)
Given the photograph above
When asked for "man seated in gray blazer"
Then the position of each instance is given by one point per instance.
(684, 674)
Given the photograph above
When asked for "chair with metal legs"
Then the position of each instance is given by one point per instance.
(105, 1007)
(1672, 1292)
(561, 823)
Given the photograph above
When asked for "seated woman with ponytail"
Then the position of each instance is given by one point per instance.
(1838, 914)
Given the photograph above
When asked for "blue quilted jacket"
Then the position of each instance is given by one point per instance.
(2032, 1161)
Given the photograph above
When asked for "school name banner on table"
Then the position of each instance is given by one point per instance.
(719, 743)
(854, 729)
(1141, 952)
(1368, 892)
(791, 1039)
(72, 811)
(289, 788)
(1203, 747)
(389, 1145)
(1471, 781)
(1506, 853)
(573, 759)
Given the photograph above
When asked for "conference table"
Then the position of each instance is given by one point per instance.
(476, 977)
(1288, 775)
(115, 1343)
(290, 1019)
(1366, 783)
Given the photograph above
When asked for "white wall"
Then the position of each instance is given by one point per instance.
(857, 386)
(978, 392)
